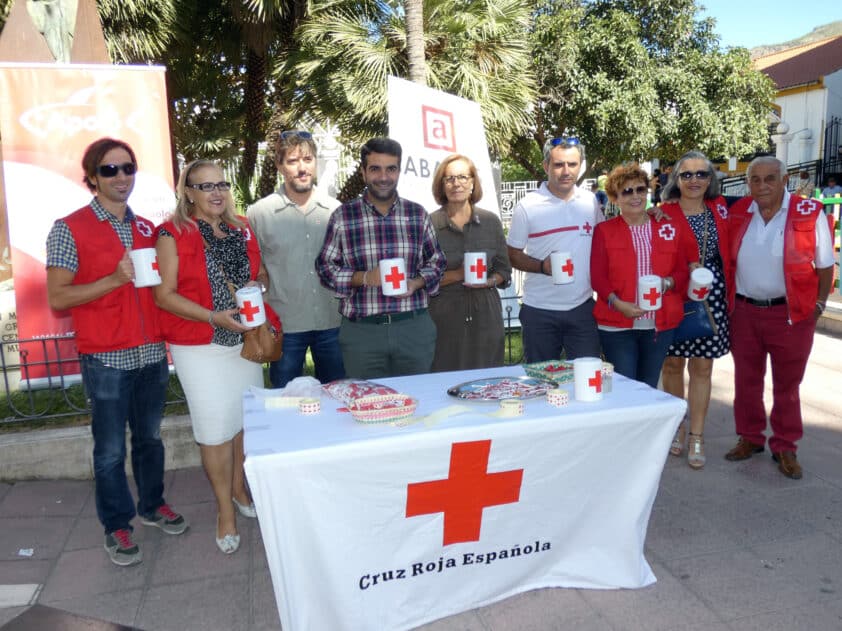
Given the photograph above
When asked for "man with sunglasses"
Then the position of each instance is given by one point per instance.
(557, 217)
(783, 256)
(123, 360)
(290, 226)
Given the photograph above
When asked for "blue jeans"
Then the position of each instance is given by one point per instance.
(637, 353)
(116, 396)
(546, 333)
(324, 347)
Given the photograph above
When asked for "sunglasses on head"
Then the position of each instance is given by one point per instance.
(689, 175)
(566, 141)
(207, 187)
(640, 190)
(111, 170)
(296, 133)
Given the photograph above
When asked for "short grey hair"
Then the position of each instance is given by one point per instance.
(549, 146)
(766, 160)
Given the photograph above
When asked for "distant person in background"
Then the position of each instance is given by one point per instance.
(601, 196)
(469, 318)
(831, 190)
(655, 186)
(804, 187)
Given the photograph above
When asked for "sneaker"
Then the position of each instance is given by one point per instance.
(121, 549)
(167, 520)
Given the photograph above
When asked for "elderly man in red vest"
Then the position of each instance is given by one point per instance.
(784, 268)
(123, 360)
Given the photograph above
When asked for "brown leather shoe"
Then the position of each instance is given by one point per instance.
(788, 464)
(743, 450)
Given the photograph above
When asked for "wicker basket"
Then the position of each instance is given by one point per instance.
(554, 370)
(382, 408)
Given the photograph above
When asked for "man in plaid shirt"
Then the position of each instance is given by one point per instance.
(122, 356)
(382, 336)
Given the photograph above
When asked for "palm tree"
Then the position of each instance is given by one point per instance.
(415, 41)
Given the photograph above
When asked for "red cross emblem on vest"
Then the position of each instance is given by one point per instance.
(667, 232)
(567, 268)
(806, 207)
(479, 268)
(652, 296)
(247, 234)
(249, 310)
(395, 277)
(700, 292)
(722, 210)
(595, 382)
(143, 228)
(467, 490)
(587, 227)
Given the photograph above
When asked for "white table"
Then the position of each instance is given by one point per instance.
(351, 514)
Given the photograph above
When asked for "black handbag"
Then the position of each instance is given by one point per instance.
(698, 321)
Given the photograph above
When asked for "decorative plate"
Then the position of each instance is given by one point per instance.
(497, 388)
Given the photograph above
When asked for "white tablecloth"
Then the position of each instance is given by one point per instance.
(355, 539)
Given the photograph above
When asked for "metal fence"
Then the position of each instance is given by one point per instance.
(41, 380)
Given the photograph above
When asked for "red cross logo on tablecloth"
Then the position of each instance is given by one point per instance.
(806, 206)
(652, 296)
(587, 227)
(395, 277)
(155, 265)
(479, 268)
(249, 310)
(567, 268)
(700, 292)
(595, 382)
(667, 232)
(468, 489)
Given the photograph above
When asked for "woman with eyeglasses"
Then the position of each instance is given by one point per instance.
(692, 196)
(468, 317)
(205, 252)
(625, 248)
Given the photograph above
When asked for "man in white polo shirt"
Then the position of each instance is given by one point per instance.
(557, 217)
(783, 256)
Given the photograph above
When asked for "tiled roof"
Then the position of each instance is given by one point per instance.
(803, 64)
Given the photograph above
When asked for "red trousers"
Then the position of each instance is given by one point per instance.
(758, 332)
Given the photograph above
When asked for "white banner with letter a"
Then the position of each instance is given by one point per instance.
(431, 125)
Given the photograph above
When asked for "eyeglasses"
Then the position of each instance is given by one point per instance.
(570, 141)
(699, 175)
(207, 187)
(111, 170)
(296, 133)
(640, 190)
(462, 179)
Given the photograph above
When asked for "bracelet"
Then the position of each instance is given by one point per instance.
(821, 305)
(210, 319)
(365, 282)
(541, 267)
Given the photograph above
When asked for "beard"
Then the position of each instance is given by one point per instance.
(300, 187)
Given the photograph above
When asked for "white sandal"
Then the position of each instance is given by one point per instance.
(696, 451)
(677, 445)
(228, 544)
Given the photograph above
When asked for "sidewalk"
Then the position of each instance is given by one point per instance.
(736, 546)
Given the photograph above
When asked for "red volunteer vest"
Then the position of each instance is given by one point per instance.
(123, 318)
(193, 283)
(719, 210)
(670, 257)
(802, 284)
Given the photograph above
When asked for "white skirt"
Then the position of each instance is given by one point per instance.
(213, 378)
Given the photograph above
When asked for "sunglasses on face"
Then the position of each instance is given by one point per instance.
(689, 175)
(111, 170)
(207, 187)
(565, 141)
(296, 133)
(631, 190)
(462, 179)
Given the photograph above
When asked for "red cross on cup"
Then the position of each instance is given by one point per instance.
(249, 310)
(466, 491)
(561, 264)
(595, 382)
(475, 268)
(393, 277)
(649, 292)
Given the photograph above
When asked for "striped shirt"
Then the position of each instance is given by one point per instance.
(61, 252)
(358, 237)
(642, 242)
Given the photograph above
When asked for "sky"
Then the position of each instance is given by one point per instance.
(752, 23)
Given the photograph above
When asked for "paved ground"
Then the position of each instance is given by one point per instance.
(735, 547)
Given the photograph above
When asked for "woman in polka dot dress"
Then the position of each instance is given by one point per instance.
(693, 191)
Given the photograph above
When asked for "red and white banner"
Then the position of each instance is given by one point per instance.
(431, 125)
(370, 527)
(49, 114)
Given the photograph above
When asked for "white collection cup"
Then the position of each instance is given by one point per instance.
(587, 379)
(649, 292)
(393, 277)
(476, 268)
(561, 264)
(701, 281)
(145, 262)
(250, 305)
